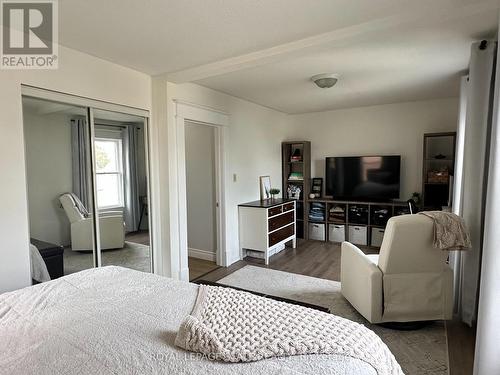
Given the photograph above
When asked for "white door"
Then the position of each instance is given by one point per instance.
(201, 190)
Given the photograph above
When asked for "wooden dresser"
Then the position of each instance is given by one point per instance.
(265, 226)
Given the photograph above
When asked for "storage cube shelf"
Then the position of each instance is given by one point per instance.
(337, 213)
(438, 164)
(296, 175)
(362, 223)
(358, 213)
(379, 215)
(317, 212)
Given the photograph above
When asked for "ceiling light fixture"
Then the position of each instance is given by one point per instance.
(325, 80)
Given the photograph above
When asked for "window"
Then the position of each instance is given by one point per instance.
(109, 172)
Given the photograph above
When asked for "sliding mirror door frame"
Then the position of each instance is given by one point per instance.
(96, 121)
(91, 105)
(97, 236)
(148, 189)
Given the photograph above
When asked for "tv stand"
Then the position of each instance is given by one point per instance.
(359, 222)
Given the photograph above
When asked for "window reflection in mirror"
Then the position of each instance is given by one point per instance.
(122, 189)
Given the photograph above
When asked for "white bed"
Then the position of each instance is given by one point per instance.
(114, 320)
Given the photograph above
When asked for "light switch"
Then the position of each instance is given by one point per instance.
(234, 177)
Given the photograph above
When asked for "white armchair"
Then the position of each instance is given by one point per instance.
(408, 281)
(111, 225)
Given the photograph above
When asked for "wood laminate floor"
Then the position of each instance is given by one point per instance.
(461, 346)
(197, 267)
(200, 267)
(322, 260)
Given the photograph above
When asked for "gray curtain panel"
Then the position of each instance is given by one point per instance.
(131, 177)
(79, 150)
(471, 174)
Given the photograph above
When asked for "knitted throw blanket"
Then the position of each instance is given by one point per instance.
(235, 326)
(450, 232)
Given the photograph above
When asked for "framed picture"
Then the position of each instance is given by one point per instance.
(265, 187)
(317, 187)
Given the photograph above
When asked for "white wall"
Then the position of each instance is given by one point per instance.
(395, 129)
(200, 190)
(49, 174)
(78, 74)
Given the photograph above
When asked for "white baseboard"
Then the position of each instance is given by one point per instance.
(202, 254)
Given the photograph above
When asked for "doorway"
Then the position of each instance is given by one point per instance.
(201, 197)
(186, 113)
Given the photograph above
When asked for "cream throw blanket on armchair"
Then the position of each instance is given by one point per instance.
(236, 326)
(450, 232)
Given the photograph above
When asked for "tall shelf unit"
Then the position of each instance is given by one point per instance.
(438, 169)
(296, 172)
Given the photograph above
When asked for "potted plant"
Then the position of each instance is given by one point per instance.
(273, 192)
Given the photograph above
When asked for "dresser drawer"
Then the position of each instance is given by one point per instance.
(288, 206)
(281, 220)
(281, 234)
(274, 211)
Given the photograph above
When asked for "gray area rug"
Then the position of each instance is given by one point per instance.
(419, 352)
(133, 255)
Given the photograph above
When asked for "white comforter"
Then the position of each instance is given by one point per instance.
(117, 321)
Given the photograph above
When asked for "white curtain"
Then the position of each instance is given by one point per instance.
(487, 359)
(455, 257)
(472, 171)
(79, 151)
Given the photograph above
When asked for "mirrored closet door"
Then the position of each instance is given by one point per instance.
(61, 214)
(122, 189)
(87, 176)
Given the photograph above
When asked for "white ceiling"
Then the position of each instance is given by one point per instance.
(266, 50)
(159, 36)
(424, 62)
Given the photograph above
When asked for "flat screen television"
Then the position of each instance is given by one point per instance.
(365, 178)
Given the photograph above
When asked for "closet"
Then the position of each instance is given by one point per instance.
(88, 183)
